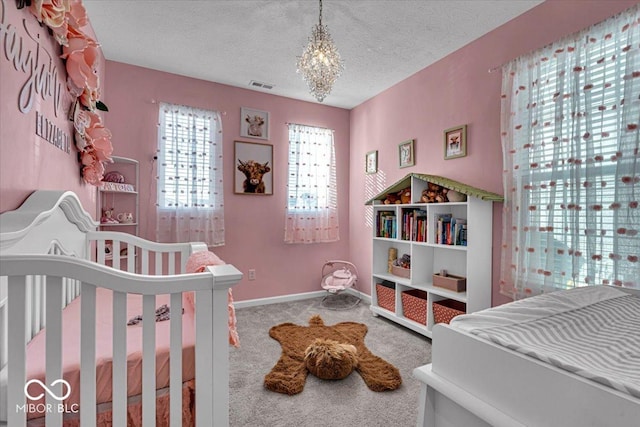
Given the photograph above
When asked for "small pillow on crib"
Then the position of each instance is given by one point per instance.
(197, 263)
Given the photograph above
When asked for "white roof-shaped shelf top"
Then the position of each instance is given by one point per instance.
(442, 181)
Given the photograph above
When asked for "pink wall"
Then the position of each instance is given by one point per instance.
(254, 224)
(456, 90)
(27, 161)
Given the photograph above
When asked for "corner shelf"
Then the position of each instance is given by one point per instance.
(121, 200)
(472, 260)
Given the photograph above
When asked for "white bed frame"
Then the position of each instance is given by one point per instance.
(46, 251)
(473, 382)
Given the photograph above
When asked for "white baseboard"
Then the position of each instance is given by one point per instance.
(293, 297)
(364, 297)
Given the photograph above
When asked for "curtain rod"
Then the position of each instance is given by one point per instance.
(155, 101)
(300, 124)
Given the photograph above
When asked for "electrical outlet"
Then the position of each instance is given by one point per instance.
(252, 274)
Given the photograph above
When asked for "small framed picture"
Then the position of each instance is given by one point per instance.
(371, 162)
(253, 168)
(406, 154)
(254, 123)
(455, 142)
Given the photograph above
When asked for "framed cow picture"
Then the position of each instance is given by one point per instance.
(253, 168)
(254, 123)
(455, 142)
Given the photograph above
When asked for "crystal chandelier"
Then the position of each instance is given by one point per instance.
(320, 63)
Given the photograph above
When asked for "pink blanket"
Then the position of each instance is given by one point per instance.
(197, 263)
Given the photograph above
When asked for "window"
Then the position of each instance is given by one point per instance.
(190, 197)
(312, 194)
(570, 143)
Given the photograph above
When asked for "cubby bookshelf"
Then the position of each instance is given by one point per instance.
(433, 246)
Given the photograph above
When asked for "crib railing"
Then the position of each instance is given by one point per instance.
(127, 252)
(211, 350)
(35, 310)
(137, 255)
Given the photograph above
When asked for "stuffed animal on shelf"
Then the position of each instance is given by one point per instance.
(402, 196)
(330, 360)
(405, 196)
(108, 217)
(391, 199)
(454, 196)
(434, 193)
(404, 262)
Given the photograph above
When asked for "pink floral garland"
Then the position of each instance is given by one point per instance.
(81, 54)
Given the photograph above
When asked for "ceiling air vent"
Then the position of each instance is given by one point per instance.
(261, 85)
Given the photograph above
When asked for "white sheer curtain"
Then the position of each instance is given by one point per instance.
(570, 117)
(312, 205)
(190, 196)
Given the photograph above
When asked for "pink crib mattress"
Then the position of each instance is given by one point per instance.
(104, 348)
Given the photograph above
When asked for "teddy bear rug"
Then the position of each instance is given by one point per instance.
(289, 374)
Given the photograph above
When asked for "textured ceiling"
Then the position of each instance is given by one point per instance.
(234, 42)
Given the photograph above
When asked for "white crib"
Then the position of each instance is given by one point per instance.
(50, 252)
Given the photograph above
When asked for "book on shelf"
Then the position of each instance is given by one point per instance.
(450, 230)
(459, 226)
(414, 225)
(386, 224)
(407, 223)
(443, 223)
(419, 232)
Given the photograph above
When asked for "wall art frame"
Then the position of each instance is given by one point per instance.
(406, 153)
(455, 142)
(254, 123)
(253, 166)
(371, 162)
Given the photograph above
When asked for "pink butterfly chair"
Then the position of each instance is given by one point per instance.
(337, 277)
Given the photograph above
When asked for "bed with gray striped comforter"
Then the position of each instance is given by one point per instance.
(592, 331)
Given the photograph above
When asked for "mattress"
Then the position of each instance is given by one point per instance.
(593, 332)
(104, 349)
